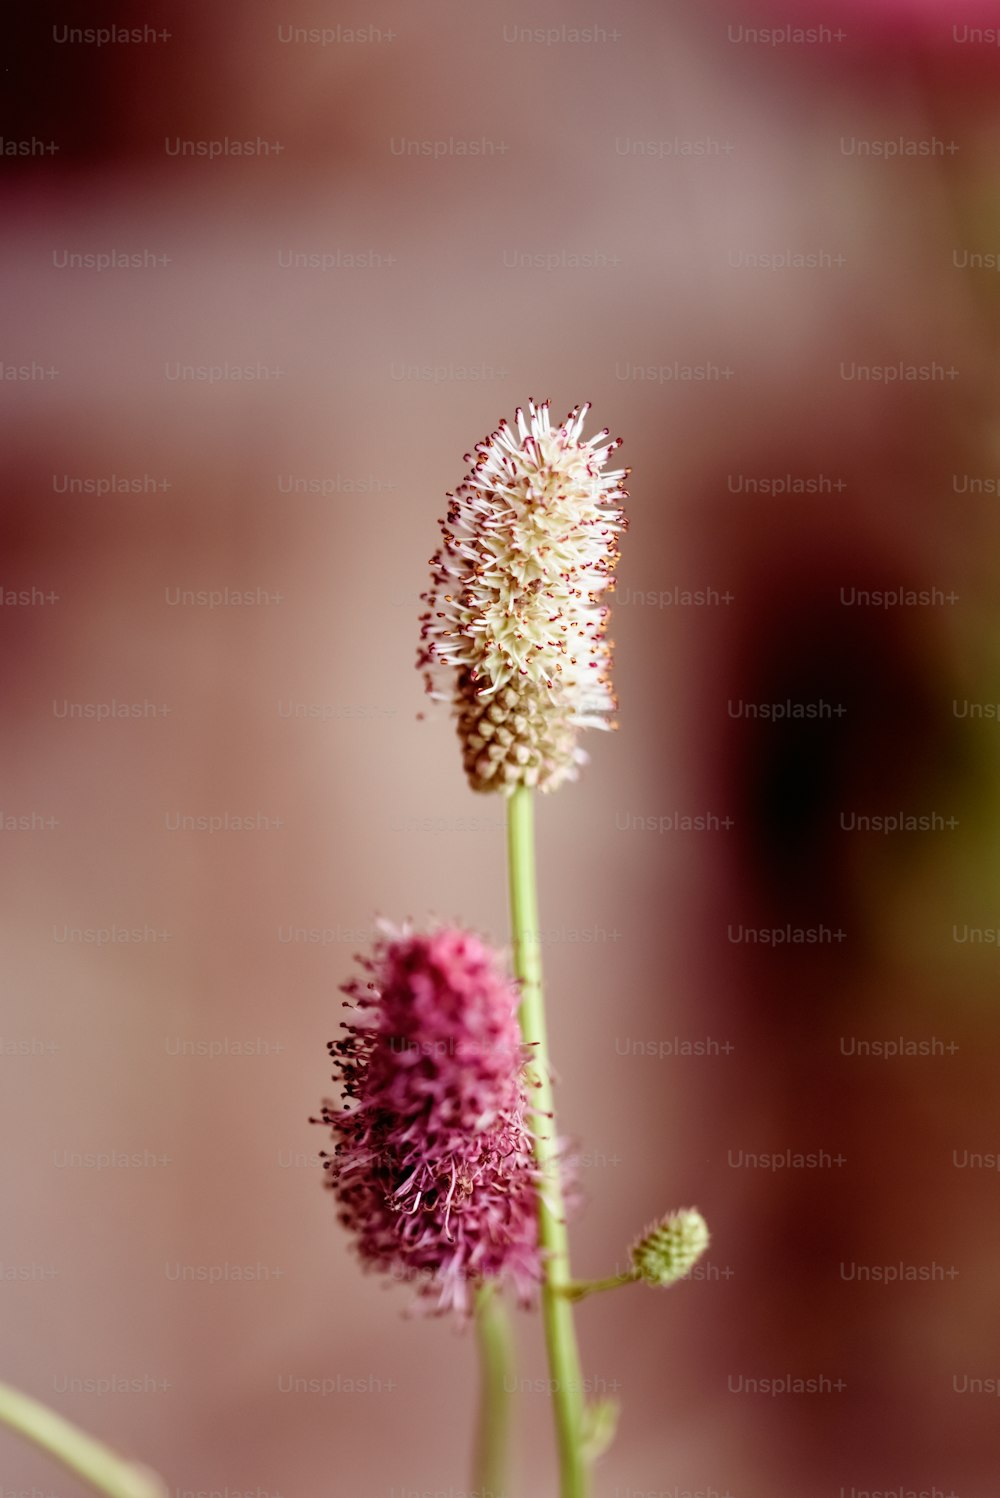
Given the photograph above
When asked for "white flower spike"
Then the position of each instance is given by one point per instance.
(517, 619)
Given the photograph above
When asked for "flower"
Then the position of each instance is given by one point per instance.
(432, 1168)
(669, 1249)
(516, 618)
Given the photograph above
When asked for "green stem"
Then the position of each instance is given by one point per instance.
(90, 1459)
(557, 1310)
(577, 1289)
(496, 1358)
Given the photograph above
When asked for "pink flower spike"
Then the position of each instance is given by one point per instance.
(432, 1166)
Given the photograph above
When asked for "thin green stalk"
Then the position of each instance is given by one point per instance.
(578, 1289)
(557, 1310)
(90, 1459)
(496, 1359)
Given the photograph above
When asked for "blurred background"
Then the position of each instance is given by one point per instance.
(271, 271)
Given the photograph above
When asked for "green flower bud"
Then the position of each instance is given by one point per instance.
(670, 1248)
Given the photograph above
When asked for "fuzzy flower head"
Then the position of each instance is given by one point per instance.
(670, 1248)
(432, 1165)
(515, 631)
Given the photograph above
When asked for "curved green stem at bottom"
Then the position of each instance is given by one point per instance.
(90, 1459)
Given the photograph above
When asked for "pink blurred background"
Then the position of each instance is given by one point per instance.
(472, 205)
